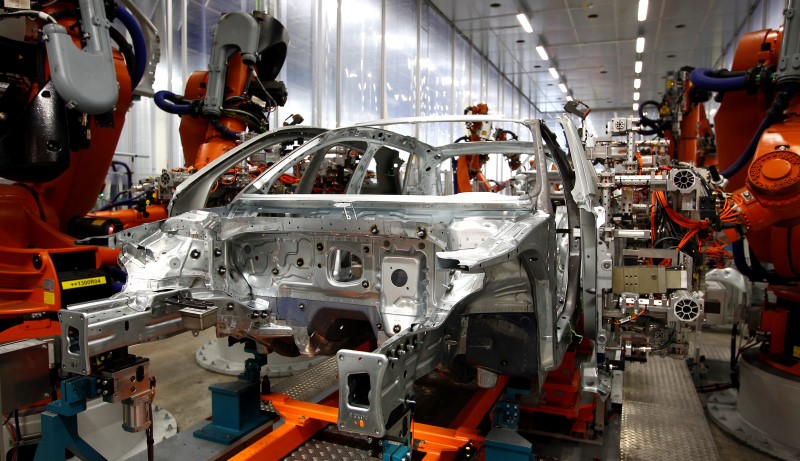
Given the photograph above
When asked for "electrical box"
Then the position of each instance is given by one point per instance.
(24, 374)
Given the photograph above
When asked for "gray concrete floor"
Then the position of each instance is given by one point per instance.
(182, 386)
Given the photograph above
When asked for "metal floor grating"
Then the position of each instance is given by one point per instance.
(311, 385)
(331, 445)
(662, 417)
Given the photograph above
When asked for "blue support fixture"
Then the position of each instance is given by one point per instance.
(506, 445)
(395, 451)
(503, 443)
(506, 410)
(236, 405)
(60, 422)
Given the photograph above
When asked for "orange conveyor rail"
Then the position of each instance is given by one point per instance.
(303, 419)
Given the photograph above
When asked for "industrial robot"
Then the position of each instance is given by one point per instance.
(756, 128)
(220, 108)
(468, 168)
(682, 120)
(66, 83)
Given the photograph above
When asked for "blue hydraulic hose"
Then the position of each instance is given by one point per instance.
(740, 260)
(165, 100)
(704, 78)
(139, 44)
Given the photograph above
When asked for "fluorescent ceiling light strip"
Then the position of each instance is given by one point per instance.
(523, 21)
(563, 87)
(640, 45)
(542, 53)
(553, 72)
(637, 67)
(642, 10)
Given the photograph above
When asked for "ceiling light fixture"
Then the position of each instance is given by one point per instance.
(542, 53)
(642, 10)
(569, 98)
(637, 67)
(553, 72)
(563, 87)
(636, 96)
(523, 21)
(637, 83)
(640, 45)
(635, 106)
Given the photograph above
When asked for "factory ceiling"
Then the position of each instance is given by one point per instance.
(593, 43)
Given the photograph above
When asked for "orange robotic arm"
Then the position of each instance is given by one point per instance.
(769, 204)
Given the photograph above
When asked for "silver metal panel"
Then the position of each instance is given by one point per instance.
(662, 417)
(24, 374)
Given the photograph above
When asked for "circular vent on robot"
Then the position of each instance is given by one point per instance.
(687, 310)
(683, 179)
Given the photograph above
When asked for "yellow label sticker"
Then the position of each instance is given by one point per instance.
(49, 297)
(81, 283)
(796, 351)
(98, 222)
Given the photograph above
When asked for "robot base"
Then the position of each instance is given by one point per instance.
(765, 413)
(215, 355)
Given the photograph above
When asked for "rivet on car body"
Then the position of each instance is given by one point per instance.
(195, 253)
(217, 252)
(320, 247)
(229, 306)
(374, 230)
(421, 233)
(301, 306)
(221, 270)
(300, 262)
(37, 261)
(275, 271)
(396, 328)
(365, 284)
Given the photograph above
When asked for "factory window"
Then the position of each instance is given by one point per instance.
(300, 56)
(360, 72)
(435, 74)
(461, 82)
(400, 56)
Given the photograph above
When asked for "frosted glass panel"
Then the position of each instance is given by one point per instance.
(361, 61)
(507, 106)
(327, 59)
(401, 57)
(492, 94)
(478, 92)
(461, 82)
(298, 70)
(436, 74)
